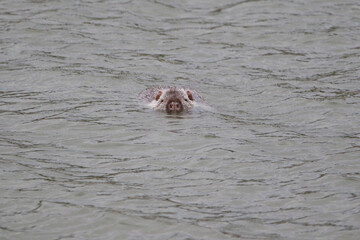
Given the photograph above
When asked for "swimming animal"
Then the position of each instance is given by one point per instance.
(172, 99)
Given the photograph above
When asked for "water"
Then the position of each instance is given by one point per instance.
(277, 158)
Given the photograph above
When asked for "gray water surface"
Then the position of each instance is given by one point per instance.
(277, 158)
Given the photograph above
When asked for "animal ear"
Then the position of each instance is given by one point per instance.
(190, 95)
(158, 95)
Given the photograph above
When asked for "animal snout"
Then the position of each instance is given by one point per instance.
(174, 106)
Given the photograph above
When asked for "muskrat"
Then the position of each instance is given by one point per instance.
(171, 99)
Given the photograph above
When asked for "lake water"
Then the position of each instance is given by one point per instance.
(278, 157)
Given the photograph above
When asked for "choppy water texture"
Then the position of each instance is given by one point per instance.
(278, 158)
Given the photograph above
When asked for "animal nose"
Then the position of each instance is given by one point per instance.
(174, 106)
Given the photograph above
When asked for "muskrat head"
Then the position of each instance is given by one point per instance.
(174, 100)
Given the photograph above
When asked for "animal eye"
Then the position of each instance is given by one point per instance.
(190, 95)
(162, 100)
(158, 95)
(186, 100)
